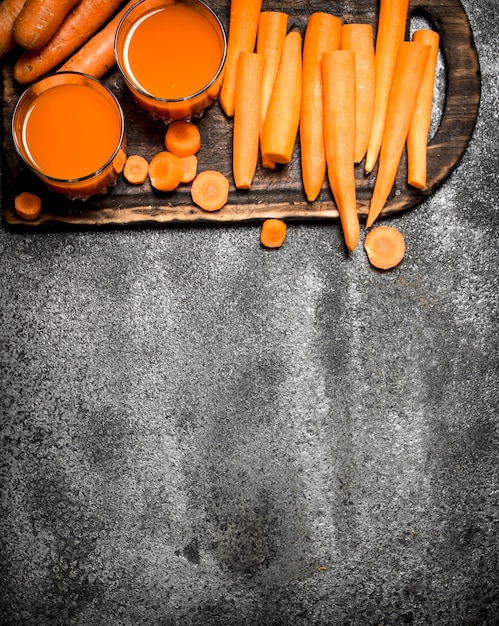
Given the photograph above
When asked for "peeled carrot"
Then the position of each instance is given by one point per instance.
(359, 39)
(84, 19)
(165, 171)
(273, 233)
(28, 205)
(385, 247)
(417, 139)
(243, 26)
(96, 57)
(39, 20)
(182, 138)
(323, 33)
(283, 116)
(272, 31)
(391, 31)
(136, 169)
(210, 190)
(190, 167)
(247, 106)
(409, 72)
(9, 10)
(338, 70)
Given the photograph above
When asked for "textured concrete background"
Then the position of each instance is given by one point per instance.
(198, 431)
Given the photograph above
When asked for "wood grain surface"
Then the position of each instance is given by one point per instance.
(274, 193)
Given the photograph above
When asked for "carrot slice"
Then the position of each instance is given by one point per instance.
(190, 166)
(210, 190)
(165, 171)
(39, 20)
(28, 205)
(359, 39)
(273, 233)
(246, 134)
(136, 169)
(9, 10)
(182, 138)
(417, 139)
(385, 247)
(338, 69)
(411, 64)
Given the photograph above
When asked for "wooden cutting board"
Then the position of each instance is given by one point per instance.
(274, 193)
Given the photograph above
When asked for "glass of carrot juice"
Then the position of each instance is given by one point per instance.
(68, 128)
(171, 54)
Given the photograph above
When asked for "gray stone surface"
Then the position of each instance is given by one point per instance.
(198, 431)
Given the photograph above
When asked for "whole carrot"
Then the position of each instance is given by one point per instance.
(323, 33)
(243, 26)
(80, 24)
(338, 70)
(409, 72)
(283, 116)
(391, 31)
(38, 21)
(9, 10)
(417, 139)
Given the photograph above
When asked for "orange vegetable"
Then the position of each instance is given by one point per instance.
(417, 139)
(409, 71)
(385, 247)
(165, 171)
(359, 39)
(391, 31)
(9, 10)
(190, 166)
(323, 33)
(272, 31)
(246, 134)
(182, 138)
(243, 26)
(28, 205)
(283, 116)
(84, 19)
(210, 190)
(39, 20)
(136, 169)
(338, 69)
(96, 57)
(273, 233)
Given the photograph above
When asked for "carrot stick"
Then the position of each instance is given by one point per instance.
(359, 38)
(272, 31)
(136, 169)
(210, 190)
(80, 24)
(96, 57)
(165, 171)
(338, 70)
(323, 33)
(190, 166)
(417, 139)
(391, 31)
(409, 72)
(246, 134)
(385, 247)
(182, 138)
(243, 26)
(28, 205)
(273, 233)
(283, 116)
(9, 10)
(39, 20)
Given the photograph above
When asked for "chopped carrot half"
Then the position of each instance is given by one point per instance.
(182, 138)
(385, 247)
(165, 171)
(273, 233)
(190, 165)
(210, 190)
(136, 169)
(28, 205)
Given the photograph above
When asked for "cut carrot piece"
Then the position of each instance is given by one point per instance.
(136, 169)
(210, 190)
(411, 64)
(182, 138)
(385, 247)
(190, 165)
(283, 116)
(392, 23)
(9, 10)
(359, 39)
(323, 33)
(338, 68)
(417, 139)
(28, 205)
(246, 135)
(243, 26)
(273, 233)
(165, 171)
(39, 20)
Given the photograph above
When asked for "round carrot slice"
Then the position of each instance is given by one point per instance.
(385, 247)
(210, 190)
